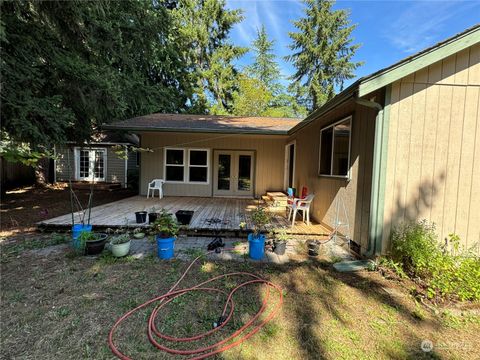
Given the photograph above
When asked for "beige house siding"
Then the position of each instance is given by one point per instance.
(434, 148)
(115, 167)
(355, 192)
(269, 159)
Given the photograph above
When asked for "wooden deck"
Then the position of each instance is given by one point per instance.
(230, 212)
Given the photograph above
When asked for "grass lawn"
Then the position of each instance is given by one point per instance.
(54, 306)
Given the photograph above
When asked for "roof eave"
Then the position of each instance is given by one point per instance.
(339, 99)
(196, 130)
(422, 60)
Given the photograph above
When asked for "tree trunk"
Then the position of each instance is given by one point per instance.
(41, 172)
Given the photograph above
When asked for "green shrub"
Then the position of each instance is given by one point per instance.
(447, 270)
(165, 225)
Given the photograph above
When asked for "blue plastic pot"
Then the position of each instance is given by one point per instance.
(165, 247)
(76, 230)
(256, 246)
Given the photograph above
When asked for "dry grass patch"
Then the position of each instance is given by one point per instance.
(55, 307)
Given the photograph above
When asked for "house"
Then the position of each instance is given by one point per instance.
(400, 144)
(105, 160)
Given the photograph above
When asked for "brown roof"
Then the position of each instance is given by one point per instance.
(206, 123)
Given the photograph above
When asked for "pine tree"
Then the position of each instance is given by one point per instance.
(68, 67)
(252, 97)
(323, 51)
(264, 67)
(203, 30)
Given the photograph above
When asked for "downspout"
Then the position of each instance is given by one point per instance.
(375, 222)
(54, 164)
(126, 166)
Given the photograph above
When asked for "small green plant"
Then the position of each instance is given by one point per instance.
(448, 270)
(138, 233)
(279, 234)
(260, 219)
(120, 239)
(165, 225)
(83, 237)
(393, 265)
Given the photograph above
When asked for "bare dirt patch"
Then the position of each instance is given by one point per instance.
(22, 208)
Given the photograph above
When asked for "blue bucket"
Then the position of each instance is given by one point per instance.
(256, 245)
(165, 247)
(76, 230)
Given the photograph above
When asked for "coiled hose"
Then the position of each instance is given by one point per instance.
(239, 336)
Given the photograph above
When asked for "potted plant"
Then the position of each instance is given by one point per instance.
(138, 233)
(280, 238)
(120, 244)
(152, 215)
(166, 229)
(90, 243)
(141, 216)
(256, 240)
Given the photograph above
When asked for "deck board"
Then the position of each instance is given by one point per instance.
(230, 211)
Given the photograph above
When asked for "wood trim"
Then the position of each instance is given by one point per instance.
(287, 169)
(423, 60)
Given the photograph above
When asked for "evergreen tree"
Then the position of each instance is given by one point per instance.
(68, 67)
(264, 67)
(266, 70)
(323, 50)
(252, 97)
(203, 28)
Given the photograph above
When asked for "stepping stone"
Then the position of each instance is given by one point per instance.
(350, 266)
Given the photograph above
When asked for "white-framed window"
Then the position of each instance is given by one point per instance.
(90, 164)
(187, 165)
(335, 142)
(198, 165)
(175, 165)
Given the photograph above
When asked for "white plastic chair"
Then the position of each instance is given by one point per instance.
(302, 205)
(156, 184)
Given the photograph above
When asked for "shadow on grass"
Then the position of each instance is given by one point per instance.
(332, 315)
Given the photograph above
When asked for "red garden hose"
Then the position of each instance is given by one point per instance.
(240, 335)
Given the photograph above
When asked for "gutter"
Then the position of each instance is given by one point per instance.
(377, 196)
(197, 130)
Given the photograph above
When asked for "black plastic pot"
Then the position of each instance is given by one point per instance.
(184, 216)
(94, 247)
(313, 247)
(141, 217)
(279, 247)
(152, 217)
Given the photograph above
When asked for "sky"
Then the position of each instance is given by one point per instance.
(388, 31)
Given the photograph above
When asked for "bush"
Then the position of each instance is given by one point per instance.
(447, 270)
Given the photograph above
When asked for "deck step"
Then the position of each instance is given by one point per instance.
(278, 198)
